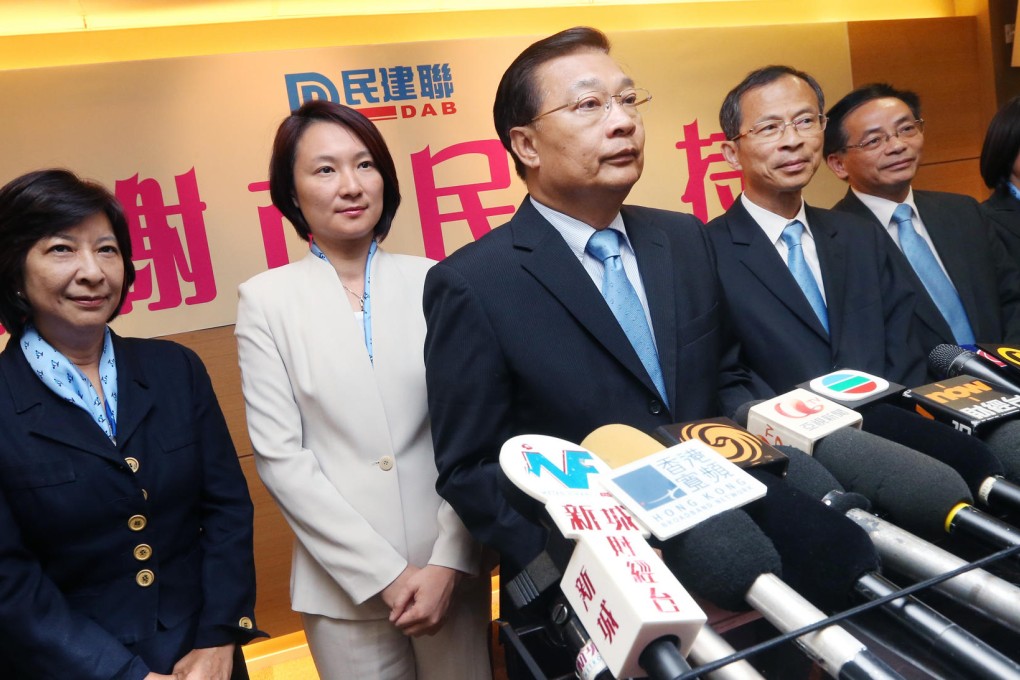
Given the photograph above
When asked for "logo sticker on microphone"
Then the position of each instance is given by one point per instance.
(848, 385)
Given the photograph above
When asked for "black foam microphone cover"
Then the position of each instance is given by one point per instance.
(916, 492)
(823, 552)
(969, 456)
(1004, 441)
(807, 474)
(720, 558)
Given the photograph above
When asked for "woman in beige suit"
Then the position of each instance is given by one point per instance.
(384, 572)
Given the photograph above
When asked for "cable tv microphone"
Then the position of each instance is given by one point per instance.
(728, 561)
(978, 590)
(638, 625)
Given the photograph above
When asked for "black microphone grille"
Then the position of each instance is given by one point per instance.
(942, 358)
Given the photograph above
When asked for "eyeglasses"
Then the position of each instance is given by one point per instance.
(880, 139)
(595, 106)
(769, 130)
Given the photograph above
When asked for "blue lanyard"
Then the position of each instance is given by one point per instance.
(367, 299)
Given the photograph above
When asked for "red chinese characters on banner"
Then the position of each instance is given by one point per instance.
(423, 164)
(170, 252)
(699, 171)
(271, 224)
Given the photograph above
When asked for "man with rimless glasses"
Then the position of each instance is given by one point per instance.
(968, 289)
(809, 290)
(579, 312)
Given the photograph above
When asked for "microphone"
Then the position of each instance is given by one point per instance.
(951, 361)
(904, 552)
(916, 491)
(614, 582)
(728, 561)
(970, 457)
(807, 534)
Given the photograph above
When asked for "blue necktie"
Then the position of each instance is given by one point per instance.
(802, 273)
(935, 281)
(624, 302)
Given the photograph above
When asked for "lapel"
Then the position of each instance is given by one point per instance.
(925, 309)
(657, 264)
(47, 416)
(135, 395)
(544, 254)
(763, 261)
(832, 262)
(951, 243)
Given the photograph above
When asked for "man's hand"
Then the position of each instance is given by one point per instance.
(208, 663)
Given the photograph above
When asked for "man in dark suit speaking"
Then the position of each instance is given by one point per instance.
(967, 287)
(809, 290)
(578, 312)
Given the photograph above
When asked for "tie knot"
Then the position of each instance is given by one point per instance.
(902, 214)
(792, 233)
(604, 244)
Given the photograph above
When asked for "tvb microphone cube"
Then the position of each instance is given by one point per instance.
(854, 389)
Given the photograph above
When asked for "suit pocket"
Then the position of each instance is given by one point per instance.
(36, 475)
(176, 443)
(698, 327)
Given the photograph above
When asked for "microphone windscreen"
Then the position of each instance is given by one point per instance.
(1004, 441)
(807, 474)
(969, 456)
(823, 552)
(845, 501)
(740, 415)
(916, 491)
(720, 559)
(941, 358)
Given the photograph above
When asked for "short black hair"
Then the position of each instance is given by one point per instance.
(835, 134)
(1001, 146)
(517, 98)
(730, 114)
(288, 135)
(42, 203)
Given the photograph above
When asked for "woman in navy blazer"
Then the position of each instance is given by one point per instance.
(125, 519)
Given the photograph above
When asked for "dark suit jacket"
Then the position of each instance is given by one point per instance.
(70, 606)
(1004, 212)
(986, 279)
(782, 340)
(521, 341)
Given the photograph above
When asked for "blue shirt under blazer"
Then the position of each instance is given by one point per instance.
(520, 340)
(70, 602)
(869, 305)
(986, 278)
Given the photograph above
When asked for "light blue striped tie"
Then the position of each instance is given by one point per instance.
(802, 273)
(623, 300)
(935, 281)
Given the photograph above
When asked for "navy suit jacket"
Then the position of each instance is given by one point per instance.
(70, 606)
(986, 279)
(782, 340)
(1004, 212)
(521, 341)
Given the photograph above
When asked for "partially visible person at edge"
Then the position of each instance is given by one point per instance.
(1000, 169)
(125, 520)
(384, 573)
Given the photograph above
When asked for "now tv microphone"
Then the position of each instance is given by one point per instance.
(728, 561)
(638, 625)
(977, 589)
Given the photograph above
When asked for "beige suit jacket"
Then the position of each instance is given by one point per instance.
(345, 448)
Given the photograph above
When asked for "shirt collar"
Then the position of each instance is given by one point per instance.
(882, 207)
(575, 232)
(773, 224)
